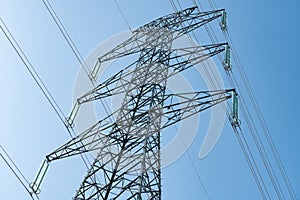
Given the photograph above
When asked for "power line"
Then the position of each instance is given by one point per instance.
(263, 124)
(262, 121)
(123, 16)
(31, 70)
(81, 61)
(253, 130)
(19, 176)
(252, 164)
(65, 34)
(33, 73)
(73, 47)
(14, 164)
(213, 38)
(260, 147)
(75, 51)
(258, 112)
(193, 164)
(215, 84)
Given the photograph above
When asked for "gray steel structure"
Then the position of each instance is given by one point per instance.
(128, 163)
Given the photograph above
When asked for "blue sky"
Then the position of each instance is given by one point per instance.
(265, 34)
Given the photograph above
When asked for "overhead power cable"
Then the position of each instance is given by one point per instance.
(82, 63)
(16, 171)
(33, 73)
(80, 59)
(260, 146)
(1, 147)
(214, 39)
(73, 47)
(214, 83)
(261, 119)
(252, 163)
(123, 16)
(65, 34)
(193, 165)
(258, 112)
(71, 44)
(262, 122)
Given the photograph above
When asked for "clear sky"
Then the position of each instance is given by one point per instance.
(265, 34)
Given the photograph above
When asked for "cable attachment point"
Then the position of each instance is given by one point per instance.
(70, 120)
(226, 62)
(223, 22)
(36, 184)
(234, 116)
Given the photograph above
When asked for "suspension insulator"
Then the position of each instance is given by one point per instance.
(226, 61)
(74, 111)
(235, 109)
(223, 23)
(94, 72)
(36, 184)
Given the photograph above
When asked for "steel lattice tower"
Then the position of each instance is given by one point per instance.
(127, 165)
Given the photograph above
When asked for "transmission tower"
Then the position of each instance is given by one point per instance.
(128, 163)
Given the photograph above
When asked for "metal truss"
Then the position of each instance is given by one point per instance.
(177, 24)
(179, 60)
(127, 165)
(176, 108)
